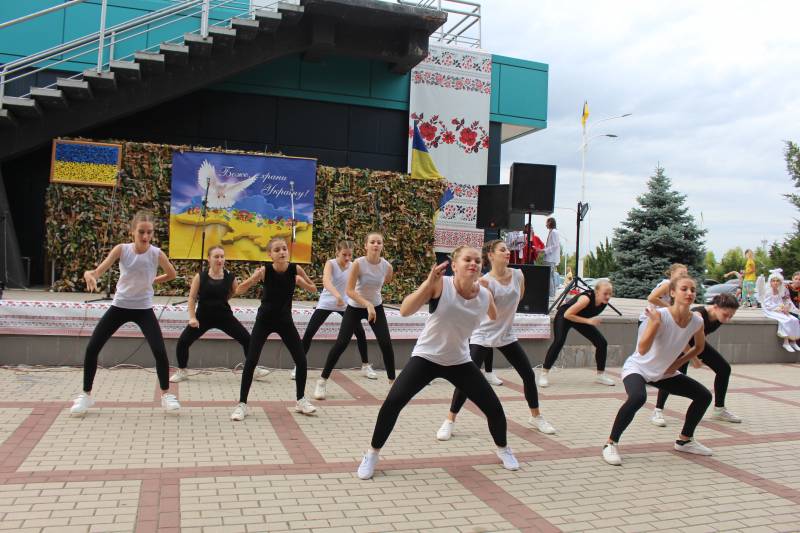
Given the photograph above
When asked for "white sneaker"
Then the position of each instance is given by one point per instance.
(180, 375)
(81, 404)
(239, 412)
(543, 381)
(293, 372)
(507, 456)
(261, 373)
(492, 378)
(446, 431)
(367, 467)
(368, 372)
(657, 419)
(304, 406)
(611, 455)
(788, 347)
(170, 403)
(604, 380)
(795, 346)
(542, 425)
(319, 390)
(693, 447)
(721, 413)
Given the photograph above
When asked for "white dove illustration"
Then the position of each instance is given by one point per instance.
(220, 195)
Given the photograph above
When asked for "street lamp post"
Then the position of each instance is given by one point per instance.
(584, 146)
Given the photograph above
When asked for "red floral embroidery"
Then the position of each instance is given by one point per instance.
(468, 136)
(427, 131)
(448, 137)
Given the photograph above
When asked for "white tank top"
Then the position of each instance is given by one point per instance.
(497, 333)
(664, 298)
(370, 281)
(445, 337)
(670, 341)
(136, 275)
(327, 301)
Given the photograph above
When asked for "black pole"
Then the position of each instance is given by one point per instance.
(577, 240)
(204, 213)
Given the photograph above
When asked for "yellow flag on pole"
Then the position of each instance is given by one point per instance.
(585, 113)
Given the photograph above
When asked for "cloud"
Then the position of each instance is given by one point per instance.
(713, 89)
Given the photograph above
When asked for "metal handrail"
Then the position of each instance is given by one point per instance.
(49, 55)
(469, 16)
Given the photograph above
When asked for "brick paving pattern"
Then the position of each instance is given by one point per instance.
(128, 466)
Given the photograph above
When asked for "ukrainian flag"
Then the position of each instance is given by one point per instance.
(85, 163)
(422, 167)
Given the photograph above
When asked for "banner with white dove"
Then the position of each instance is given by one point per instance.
(249, 199)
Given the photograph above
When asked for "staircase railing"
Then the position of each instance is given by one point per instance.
(463, 25)
(105, 40)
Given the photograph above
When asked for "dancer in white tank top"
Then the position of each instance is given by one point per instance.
(133, 302)
(659, 354)
(458, 304)
(368, 275)
(507, 286)
(332, 300)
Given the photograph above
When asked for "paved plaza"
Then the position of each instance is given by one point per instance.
(128, 466)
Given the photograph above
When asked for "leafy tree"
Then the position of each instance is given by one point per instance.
(786, 255)
(600, 263)
(656, 234)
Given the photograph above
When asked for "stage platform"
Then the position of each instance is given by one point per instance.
(46, 328)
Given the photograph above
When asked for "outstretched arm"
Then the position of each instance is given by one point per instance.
(91, 276)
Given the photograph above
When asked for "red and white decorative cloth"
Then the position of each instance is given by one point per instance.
(450, 98)
(22, 317)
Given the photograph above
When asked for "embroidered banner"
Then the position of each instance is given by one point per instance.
(20, 317)
(449, 99)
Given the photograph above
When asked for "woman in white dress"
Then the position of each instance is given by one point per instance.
(777, 304)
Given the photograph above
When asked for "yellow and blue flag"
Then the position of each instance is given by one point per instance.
(422, 167)
(585, 113)
(85, 163)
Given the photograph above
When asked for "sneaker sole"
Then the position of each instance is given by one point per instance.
(610, 463)
(720, 419)
(300, 411)
(78, 415)
(442, 438)
(659, 424)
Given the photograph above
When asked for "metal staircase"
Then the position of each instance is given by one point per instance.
(245, 36)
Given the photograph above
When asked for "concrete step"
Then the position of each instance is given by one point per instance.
(74, 89)
(150, 62)
(246, 29)
(198, 45)
(7, 118)
(23, 108)
(291, 13)
(100, 81)
(126, 71)
(223, 37)
(49, 98)
(175, 54)
(268, 20)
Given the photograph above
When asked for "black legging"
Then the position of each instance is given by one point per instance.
(417, 373)
(561, 327)
(682, 385)
(223, 321)
(518, 359)
(488, 361)
(319, 317)
(715, 362)
(110, 322)
(353, 316)
(285, 328)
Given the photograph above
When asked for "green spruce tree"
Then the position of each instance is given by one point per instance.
(786, 255)
(600, 263)
(656, 234)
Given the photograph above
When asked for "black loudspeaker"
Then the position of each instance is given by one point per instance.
(493, 209)
(537, 289)
(532, 185)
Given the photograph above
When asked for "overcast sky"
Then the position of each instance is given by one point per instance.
(714, 88)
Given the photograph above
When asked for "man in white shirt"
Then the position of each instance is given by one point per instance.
(552, 253)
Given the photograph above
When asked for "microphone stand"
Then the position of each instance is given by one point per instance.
(204, 214)
(294, 235)
(107, 297)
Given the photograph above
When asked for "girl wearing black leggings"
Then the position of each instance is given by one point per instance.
(133, 302)
(457, 304)
(368, 275)
(507, 286)
(721, 310)
(275, 316)
(209, 294)
(581, 313)
(334, 283)
(656, 361)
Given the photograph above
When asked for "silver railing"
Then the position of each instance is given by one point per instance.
(105, 40)
(463, 26)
